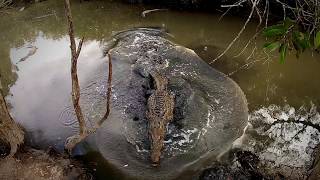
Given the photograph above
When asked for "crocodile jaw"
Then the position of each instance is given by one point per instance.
(155, 157)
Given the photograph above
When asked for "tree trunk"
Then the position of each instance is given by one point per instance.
(10, 131)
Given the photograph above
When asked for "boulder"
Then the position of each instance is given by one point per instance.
(210, 108)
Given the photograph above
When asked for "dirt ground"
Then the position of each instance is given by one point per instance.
(37, 165)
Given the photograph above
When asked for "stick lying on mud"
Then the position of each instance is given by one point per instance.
(72, 141)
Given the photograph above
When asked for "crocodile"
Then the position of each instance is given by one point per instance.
(159, 113)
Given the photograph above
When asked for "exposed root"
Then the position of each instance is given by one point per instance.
(10, 131)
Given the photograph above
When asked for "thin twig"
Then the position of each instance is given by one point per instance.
(247, 65)
(246, 46)
(106, 115)
(44, 16)
(237, 4)
(238, 35)
(144, 13)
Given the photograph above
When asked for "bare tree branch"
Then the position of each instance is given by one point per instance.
(240, 32)
(72, 141)
(75, 81)
(106, 115)
(74, 76)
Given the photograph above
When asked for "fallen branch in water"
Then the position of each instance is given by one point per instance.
(72, 141)
(144, 13)
(47, 15)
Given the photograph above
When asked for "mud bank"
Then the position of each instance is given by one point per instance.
(29, 163)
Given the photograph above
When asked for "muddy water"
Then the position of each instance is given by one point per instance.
(38, 88)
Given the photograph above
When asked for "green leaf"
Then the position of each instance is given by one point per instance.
(298, 48)
(301, 40)
(317, 40)
(288, 23)
(272, 46)
(283, 52)
(275, 30)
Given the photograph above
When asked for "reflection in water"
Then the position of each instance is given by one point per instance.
(43, 87)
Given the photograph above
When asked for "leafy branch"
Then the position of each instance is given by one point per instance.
(288, 35)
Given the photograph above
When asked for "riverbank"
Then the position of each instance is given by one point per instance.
(30, 163)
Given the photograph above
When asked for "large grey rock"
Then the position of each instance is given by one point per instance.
(211, 110)
(285, 139)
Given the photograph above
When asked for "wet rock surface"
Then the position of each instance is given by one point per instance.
(285, 140)
(4, 149)
(210, 109)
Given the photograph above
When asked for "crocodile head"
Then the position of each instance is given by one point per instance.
(157, 136)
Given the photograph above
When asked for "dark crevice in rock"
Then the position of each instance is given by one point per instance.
(136, 119)
(305, 123)
(4, 149)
